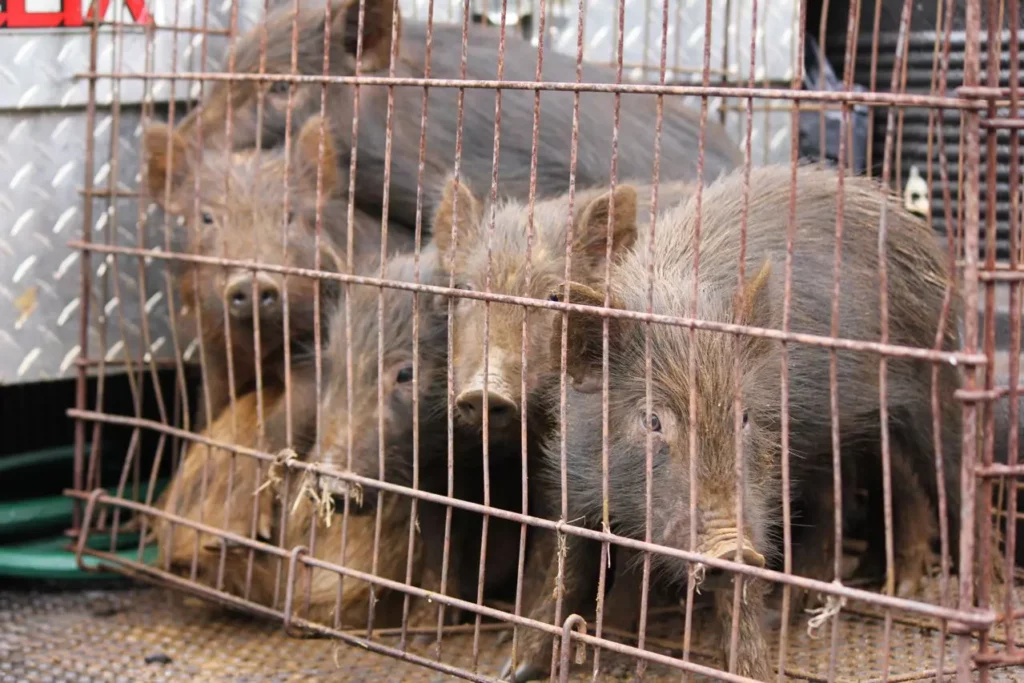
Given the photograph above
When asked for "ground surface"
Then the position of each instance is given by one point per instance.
(147, 634)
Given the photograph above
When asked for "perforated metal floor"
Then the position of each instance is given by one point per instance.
(148, 634)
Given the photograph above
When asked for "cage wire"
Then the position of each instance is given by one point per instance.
(566, 339)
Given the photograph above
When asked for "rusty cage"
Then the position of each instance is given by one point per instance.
(368, 497)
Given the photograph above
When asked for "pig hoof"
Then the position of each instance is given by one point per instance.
(525, 672)
(908, 588)
(912, 571)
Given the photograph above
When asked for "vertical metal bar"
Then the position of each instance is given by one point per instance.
(530, 236)
(605, 468)
(485, 422)
(969, 459)
(985, 521)
(1013, 438)
(693, 451)
(883, 378)
(737, 404)
(648, 369)
(787, 311)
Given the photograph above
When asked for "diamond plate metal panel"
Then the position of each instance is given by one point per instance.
(42, 119)
(38, 67)
(41, 211)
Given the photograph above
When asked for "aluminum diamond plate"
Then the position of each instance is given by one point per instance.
(42, 119)
(38, 67)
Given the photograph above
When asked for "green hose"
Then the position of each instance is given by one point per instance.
(32, 543)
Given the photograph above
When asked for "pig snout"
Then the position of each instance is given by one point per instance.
(502, 406)
(501, 388)
(240, 289)
(721, 540)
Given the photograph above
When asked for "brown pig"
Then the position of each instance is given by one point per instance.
(508, 266)
(637, 125)
(225, 490)
(917, 277)
(252, 508)
(384, 433)
(232, 205)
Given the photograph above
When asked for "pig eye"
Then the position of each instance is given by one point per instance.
(278, 88)
(654, 424)
(745, 417)
(404, 375)
(207, 217)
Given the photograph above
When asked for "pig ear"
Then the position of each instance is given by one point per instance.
(756, 304)
(584, 338)
(332, 261)
(463, 214)
(591, 227)
(378, 19)
(308, 156)
(167, 157)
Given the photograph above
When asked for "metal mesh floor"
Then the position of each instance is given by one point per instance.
(149, 634)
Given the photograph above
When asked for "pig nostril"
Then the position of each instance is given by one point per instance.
(268, 298)
(500, 410)
(469, 409)
(238, 298)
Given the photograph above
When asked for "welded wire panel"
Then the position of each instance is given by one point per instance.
(498, 361)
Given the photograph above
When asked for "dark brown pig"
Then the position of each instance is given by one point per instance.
(508, 266)
(917, 278)
(679, 140)
(383, 434)
(240, 198)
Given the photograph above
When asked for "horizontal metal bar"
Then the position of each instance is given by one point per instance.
(852, 97)
(998, 470)
(891, 350)
(1002, 123)
(984, 92)
(138, 570)
(972, 620)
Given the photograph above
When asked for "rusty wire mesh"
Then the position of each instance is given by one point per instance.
(320, 461)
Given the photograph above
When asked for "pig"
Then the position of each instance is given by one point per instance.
(918, 278)
(400, 430)
(240, 197)
(680, 131)
(251, 509)
(468, 264)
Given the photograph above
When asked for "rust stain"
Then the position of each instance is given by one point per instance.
(26, 304)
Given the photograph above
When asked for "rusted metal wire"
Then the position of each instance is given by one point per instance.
(893, 350)
(970, 607)
(966, 103)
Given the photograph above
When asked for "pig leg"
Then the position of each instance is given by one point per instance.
(914, 527)
(425, 612)
(751, 646)
(580, 586)
(814, 552)
(622, 605)
(540, 553)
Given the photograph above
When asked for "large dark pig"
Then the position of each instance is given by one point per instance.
(384, 433)
(596, 112)
(917, 277)
(240, 199)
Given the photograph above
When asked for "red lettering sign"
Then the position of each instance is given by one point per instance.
(29, 14)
